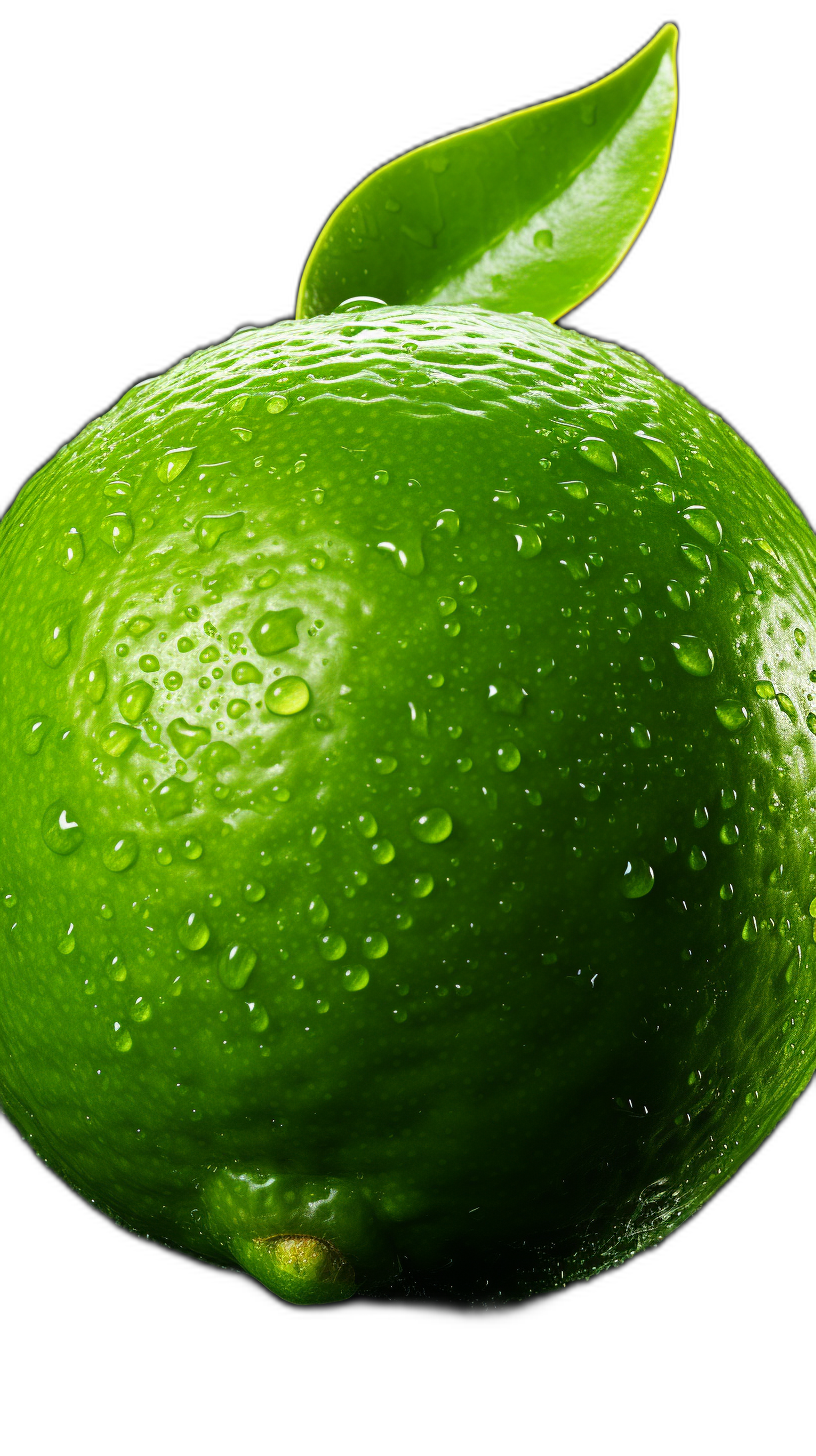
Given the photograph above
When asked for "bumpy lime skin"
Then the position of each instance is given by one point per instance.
(485, 535)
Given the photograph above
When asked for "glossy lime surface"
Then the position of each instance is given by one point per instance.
(526, 213)
(408, 788)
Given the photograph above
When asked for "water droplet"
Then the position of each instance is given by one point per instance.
(661, 450)
(505, 696)
(318, 912)
(120, 852)
(254, 891)
(332, 947)
(56, 643)
(729, 833)
(191, 848)
(749, 929)
(242, 432)
(276, 632)
(118, 491)
(765, 689)
(507, 499)
(268, 579)
(96, 681)
(67, 941)
(726, 892)
(421, 885)
(787, 706)
(35, 732)
(236, 964)
(366, 824)
(599, 453)
(811, 722)
(172, 798)
(382, 851)
(406, 554)
(447, 522)
(246, 672)
(122, 1039)
(141, 1010)
(576, 488)
(705, 523)
(508, 757)
(697, 858)
(134, 701)
(116, 531)
(464, 765)
(543, 240)
(641, 736)
(148, 663)
(70, 549)
(187, 737)
(361, 303)
(446, 605)
(60, 829)
(696, 557)
(385, 764)
(277, 403)
(694, 655)
(356, 978)
(468, 585)
(117, 739)
(528, 542)
(633, 614)
(738, 569)
(174, 462)
(731, 714)
(678, 596)
(193, 931)
(210, 529)
(638, 879)
(375, 946)
(432, 826)
(164, 854)
(286, 696)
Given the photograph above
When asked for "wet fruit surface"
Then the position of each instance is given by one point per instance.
(408, 781)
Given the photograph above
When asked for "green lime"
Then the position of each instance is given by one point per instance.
(408, 762)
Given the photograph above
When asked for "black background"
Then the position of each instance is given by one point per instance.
(166, 191)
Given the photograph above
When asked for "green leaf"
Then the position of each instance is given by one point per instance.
(530, 212)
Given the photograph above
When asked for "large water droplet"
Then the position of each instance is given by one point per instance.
(421, 885)
(361, 303)
(210, 529)
(117, 531)
(505, 696)
(528, 542)
(697, 558)
(172, 798)
(447, 523)
(236, 964)
(276, 631)
(694, 655)
(599, 453)
(193, 931)
(366, 824)
(174, 462)
(56, 642)
(663, 451)
(60, 829)
(70, 549)
(432, 826)
(35, 732)
(382, 851)
(508, 757)
(375, 946)
(286, 696)
(406, 553)
(638, 879)
(134, 701)
(96, 681)
(277, 403)
(678, 596)
(732, 714)
(120, 852)
(117, 739)
(739, 570)
(641, 736)
(705, 523)
(332, 947)
(356, 978)
(187, 737)
(318, 912)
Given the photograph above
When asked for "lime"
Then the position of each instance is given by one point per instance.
(408, 783)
